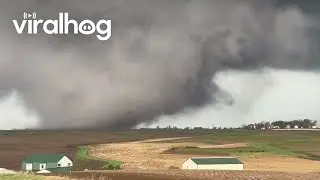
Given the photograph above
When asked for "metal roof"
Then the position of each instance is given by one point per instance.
(216, 160)
(43, 158)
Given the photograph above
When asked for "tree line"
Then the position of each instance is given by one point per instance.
(304, 123)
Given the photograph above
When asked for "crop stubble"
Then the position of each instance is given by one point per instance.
(148, 157)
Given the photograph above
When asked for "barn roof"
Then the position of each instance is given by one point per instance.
(216, 160)
(43, 158)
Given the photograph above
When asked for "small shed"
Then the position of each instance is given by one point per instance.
(51, 162)
(213, 163)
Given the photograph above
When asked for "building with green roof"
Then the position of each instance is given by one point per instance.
(213, 163)
(50, 162)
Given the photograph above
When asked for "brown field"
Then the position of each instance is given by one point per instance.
(149, 155)
(15, 146)
(138, 174)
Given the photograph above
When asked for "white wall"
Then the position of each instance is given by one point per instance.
(64, 162)
(189, 164)
(221, 167)
(29, 166)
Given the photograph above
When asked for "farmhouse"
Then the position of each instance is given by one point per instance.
(213, 163)
(49, 162)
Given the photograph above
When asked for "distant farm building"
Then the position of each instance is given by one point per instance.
(296, 127)
(252, 126)
(213, 163)
(48, 162)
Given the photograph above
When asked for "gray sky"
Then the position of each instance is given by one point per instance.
(270, 96)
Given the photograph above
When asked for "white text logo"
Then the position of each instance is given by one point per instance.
(61, 26)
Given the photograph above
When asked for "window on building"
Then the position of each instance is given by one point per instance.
(42, 166)
(59, 165)
(69, 164)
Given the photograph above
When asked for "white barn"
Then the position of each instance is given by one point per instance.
(212, 163)
(50, 162)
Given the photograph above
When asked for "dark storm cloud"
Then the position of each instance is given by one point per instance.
(160, 59)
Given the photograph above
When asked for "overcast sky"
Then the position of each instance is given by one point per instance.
(268, 96)
(259, 96)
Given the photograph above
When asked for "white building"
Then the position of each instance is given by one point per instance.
(296, 127)
(50, 162)
(212, 163)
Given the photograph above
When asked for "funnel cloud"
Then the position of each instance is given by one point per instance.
(161, 59)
